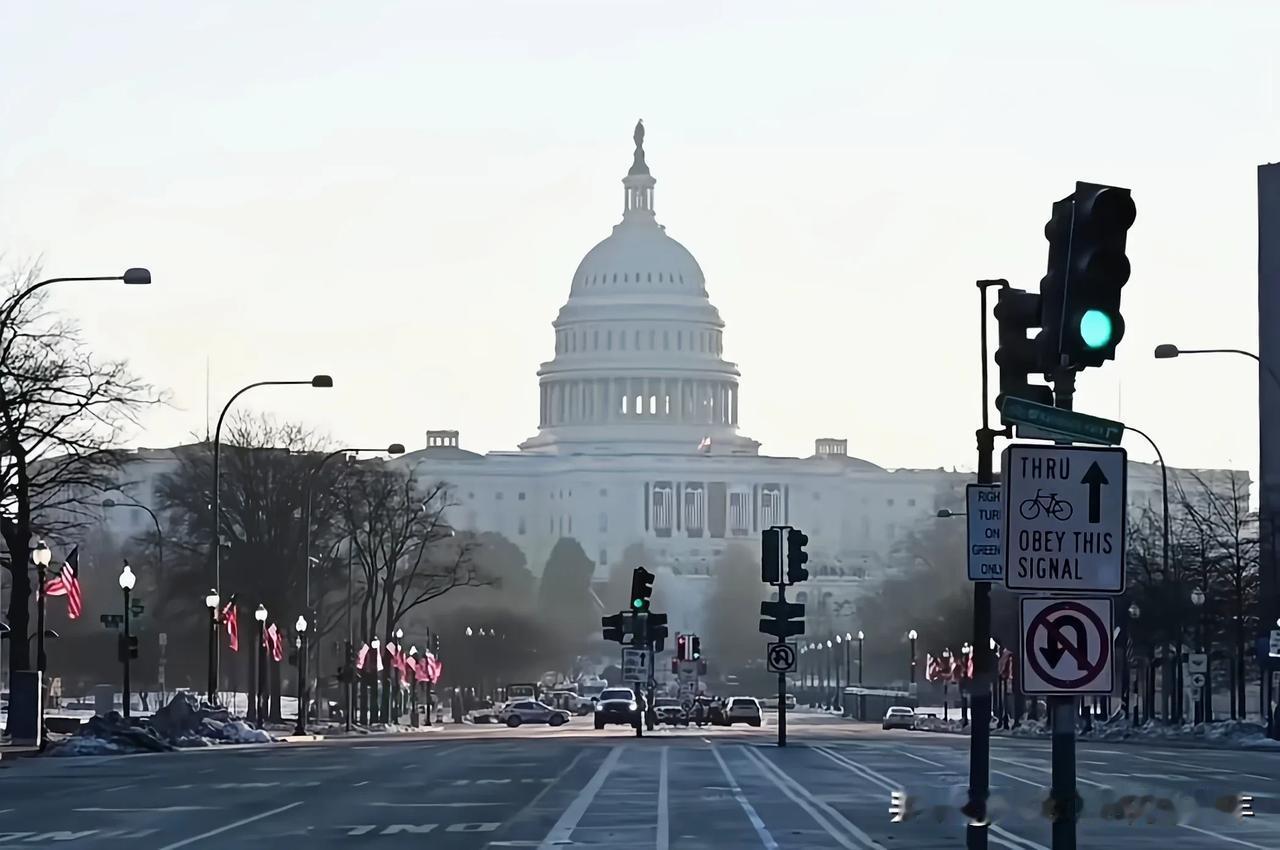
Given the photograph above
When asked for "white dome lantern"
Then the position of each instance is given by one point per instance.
(638, 365)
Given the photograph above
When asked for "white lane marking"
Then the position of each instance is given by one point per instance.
(663, 840)
(1043, 769)
(230, 826)
(361, 782)
(1018, 778)
(1222, 837)
(766, 840)
(432, 805)
(920, 758)
(146, 809)
(888, 784)
(1017, 842)
(563, 830)
(811, 804)
(117, 788)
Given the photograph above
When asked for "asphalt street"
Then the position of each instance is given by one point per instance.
(468, 788)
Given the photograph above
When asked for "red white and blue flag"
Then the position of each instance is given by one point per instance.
(68, 584)
(232, 622)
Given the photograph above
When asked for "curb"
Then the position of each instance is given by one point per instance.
(1172, 743)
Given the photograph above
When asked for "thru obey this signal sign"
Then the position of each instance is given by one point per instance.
(1066, 646)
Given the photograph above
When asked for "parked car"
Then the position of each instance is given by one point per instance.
(617, 707)
(531, 711)
(668, 710)
(899, 717)
(571, 702)
(743, 710)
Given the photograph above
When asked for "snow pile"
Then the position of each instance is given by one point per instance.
(1226, 733)
(185, 722)
(937, 724)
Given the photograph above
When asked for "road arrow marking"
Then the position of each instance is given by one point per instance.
(1094, 478)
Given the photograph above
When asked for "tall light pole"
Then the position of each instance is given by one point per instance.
(1206, 693)
(131, 277)
(323, 382)
(112, 503)
(833, 665)
(301, 627)
(413, 690)
(848, 649)
(211, 602)
(260, 709)
(127, 579)
(912, 635)
(397, 700)
(41, 556)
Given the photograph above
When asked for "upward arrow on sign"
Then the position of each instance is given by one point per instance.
(1094, 479)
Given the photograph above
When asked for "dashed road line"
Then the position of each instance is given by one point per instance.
(837, 826)
(561, 833)
(663, 839)
(766, 839)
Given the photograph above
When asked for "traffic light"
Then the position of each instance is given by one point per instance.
(1019, 357)
(785, 619)
(675, 665)
(127, 647)
(796, 556)
(641, 589)
(695, 648)
(657, 630)
(613, 627)
(1096, 270)
(771, 556)
(681, 647)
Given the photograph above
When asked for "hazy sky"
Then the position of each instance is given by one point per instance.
(399, 193)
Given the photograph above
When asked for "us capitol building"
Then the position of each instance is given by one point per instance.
(638, 443)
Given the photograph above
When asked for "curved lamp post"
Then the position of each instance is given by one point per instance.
(41, 556)
(260, 710)
(127, 580)
(319, 381)
(393, 449)
(413, 688)
(112, 503)
(300, 625)
(131, 277)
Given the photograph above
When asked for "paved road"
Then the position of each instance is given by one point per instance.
(477, 788)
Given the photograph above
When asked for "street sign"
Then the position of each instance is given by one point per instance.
(1066, 646)
(1274, 650)
(982, 510)
(782, 657)
(1197, 662)
(1056, 423)
(1197, 680)
(635, 665)
(1064, 518)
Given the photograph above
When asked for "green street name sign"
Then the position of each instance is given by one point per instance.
(1056, 423)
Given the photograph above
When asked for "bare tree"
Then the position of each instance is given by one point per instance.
(408, 555)
(732, 614)
(61, 411)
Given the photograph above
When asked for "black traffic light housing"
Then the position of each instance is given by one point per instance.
(657, 630)
(127, 648)
(695, 648)
(613, 627)
(796, 556)
(1019, 357)
(784, 619)
(682, 647)
(641, 589)
(1096, 271)
(771, 556)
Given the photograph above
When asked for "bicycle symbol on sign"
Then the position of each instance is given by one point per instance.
(1046, 503)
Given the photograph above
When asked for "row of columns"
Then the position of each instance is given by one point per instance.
(595, 401)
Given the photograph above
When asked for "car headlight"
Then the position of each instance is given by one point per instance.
(631, 706)
(599, 707)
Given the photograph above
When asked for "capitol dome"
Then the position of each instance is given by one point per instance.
(638, 345)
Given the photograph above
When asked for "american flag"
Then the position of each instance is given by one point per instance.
(68, 585)
(232, 623)
(432, 666)
(704, 445)
(274, 642)
(410, 670)
(361, 655)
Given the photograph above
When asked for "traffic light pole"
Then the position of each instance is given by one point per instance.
(782, 685)
(983, 663)
(1063, 709)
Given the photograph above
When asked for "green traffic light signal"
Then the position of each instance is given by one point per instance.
(637, 603)
(1095, 329)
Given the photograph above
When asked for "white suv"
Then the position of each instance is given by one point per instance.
(743, 710)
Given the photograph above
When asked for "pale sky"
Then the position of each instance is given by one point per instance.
(399, 193)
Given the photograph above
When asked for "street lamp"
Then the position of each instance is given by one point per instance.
(397, 701)
(260, 707)
(211, 602)
(1198, 600)
(112, 503)
(127, 579)
(300, 625)
(393, 449)
(40, 556)
(318, 381)
(132, 277)
(413, 689)
(912, 635)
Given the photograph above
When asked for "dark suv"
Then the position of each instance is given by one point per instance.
(617, 707)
